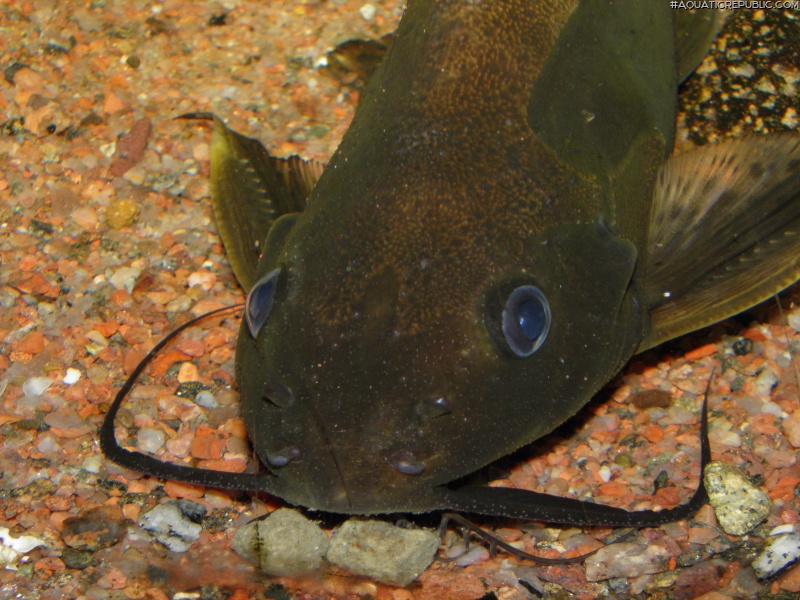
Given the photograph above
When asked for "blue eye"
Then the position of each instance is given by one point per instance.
(526, 320)
(259, 301)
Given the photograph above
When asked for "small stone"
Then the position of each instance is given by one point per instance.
(765, 381)
(12, 548)
(94, 529)
(793, 319)
(203, 278)
(67, 423)
(72, 376)
(22, 544)
(171, 527)
(36, 386)
(790, 119)
(367, 12)
(699, 579)
(790, 581)
(125, 278)
(121, 213)
(187, 372)
(283, 544)
(738, 504)
(464, 556)
(781, 529)
(651, 399)
(86, 217)
(206, 399)
(194, 511)
(33, 343)
(779, 553)
(150, 440)
(92, 464)
(382, 552)
(181, 444)
(791, 428)
(75, 559)
(626, 560)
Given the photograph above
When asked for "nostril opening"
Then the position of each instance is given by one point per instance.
(432, 408)
(404, 462)
(283, 457)
(278, 395)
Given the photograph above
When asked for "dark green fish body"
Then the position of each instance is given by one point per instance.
(500, 230)
(439, 202)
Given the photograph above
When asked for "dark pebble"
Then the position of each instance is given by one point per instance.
(194, 511)
(76, 559)
(94, 529)
(651, 399)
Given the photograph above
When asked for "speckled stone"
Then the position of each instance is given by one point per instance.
(168, 524)
(94, 529)
(382, 551)
(285, 543)
(738, 504)
(780, 552)
(121, 213)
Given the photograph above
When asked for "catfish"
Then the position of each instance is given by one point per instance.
(503, 226)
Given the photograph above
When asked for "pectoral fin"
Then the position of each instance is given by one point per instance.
(724, 232)
(250, 189)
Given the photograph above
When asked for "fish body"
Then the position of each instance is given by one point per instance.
(441, 201)
(500, 230)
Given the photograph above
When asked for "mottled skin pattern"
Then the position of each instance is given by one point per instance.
(442, 198)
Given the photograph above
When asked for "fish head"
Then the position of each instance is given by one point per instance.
(383, 360)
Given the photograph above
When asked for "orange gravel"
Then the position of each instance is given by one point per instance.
(107, 242)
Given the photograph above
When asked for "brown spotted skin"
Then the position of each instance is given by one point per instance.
(440, 200)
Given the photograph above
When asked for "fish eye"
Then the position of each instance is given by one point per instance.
(259, 301)
(526, 320)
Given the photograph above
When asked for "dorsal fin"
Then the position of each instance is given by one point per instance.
(250, 189)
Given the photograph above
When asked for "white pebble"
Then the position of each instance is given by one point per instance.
(71, 376)
(150, 440)
(205, 279)
(474, 555)
(179, 304)
(793, 318)
(726, 438)
(92, 464)
(36, 386)
(626, 560)
(605, 473)
(206, 399)
(781, 529)
(170, 527)
(22, 544)
(125, 278)
(367, 11)
(47, 444)
(765, 381)
(782, 551)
